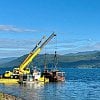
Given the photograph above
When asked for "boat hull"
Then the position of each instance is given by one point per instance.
(9, 81)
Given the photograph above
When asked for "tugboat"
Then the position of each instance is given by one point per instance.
(54, 75)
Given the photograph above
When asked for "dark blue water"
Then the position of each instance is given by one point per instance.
(81, 84)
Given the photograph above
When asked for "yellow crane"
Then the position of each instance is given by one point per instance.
(22, 69)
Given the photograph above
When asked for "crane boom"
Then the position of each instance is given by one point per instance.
(34, 53)
(38, 44)
(30, 54)
(50, 37)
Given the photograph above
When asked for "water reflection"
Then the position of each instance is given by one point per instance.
(70, 90)
(33, 85)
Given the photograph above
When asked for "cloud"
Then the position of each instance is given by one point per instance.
(11, 28)
(17, 44)
(74, 47)
(15, 48)
(89, 47)
(69, 46)
(18, 47)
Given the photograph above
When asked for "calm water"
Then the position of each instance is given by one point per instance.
(81, 84)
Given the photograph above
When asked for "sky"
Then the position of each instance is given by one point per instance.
(24, 22)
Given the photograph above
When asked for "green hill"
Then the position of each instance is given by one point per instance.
(6, 60)
(90, 59)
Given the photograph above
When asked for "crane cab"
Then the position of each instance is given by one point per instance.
(16, 70)
(8, 74)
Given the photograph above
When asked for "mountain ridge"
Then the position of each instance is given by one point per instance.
(89, 59)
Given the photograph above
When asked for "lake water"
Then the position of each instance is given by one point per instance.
(81, 84)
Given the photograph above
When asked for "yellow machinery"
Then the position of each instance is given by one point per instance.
(22, 69)
(17, 71)
(8, 74)
(9, 81)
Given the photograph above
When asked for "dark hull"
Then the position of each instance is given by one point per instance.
(54, 76)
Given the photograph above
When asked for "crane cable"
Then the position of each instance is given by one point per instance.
(55, 56)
